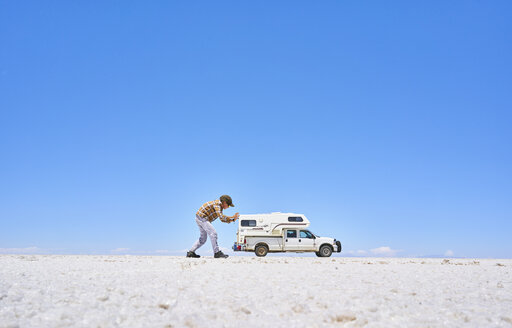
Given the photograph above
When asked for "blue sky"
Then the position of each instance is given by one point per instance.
(386, 123)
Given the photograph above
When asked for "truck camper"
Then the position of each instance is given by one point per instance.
(281, 232)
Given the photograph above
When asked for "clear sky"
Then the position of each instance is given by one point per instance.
(387, 123)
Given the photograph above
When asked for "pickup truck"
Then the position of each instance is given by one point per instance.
(281, 232)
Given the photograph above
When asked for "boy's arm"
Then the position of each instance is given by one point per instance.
(233, 218)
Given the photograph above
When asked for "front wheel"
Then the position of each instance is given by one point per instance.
(261, 250)
(325, 251)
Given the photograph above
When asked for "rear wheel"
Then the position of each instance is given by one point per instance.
(325, 251)
(261, 250)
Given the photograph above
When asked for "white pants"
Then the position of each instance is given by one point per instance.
(205, 228)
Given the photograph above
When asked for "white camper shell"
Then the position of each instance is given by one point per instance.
(281, 232)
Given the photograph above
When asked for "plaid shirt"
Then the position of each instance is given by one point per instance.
(213, 211)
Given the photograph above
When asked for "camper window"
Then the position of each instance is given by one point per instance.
(295, 219)
(248, 223)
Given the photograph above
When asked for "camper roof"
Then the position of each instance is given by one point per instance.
(273, 222)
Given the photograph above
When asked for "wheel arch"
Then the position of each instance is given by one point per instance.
(326, 244)
(261, 243)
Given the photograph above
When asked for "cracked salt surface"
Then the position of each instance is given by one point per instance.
(145, 291)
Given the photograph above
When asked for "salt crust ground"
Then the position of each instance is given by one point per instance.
(145, 291)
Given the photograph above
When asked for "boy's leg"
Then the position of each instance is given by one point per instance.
(210, 230)
(202, 237)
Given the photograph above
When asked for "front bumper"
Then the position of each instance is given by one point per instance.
(338, 244)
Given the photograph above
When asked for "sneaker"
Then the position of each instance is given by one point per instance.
(192, 254)
(220, 255)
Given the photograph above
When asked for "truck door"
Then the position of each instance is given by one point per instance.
(291, 242)
(306, 241)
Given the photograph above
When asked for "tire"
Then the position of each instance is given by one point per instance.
(261, 250)
(318, 254)
(325, 251)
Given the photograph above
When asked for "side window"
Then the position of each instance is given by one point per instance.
(248, 223)
(305, 234)
(295, 219)
(291, 233)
